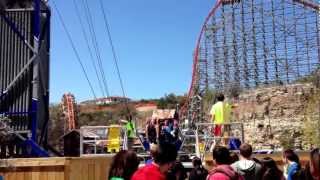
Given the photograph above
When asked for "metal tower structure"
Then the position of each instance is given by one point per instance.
(24, 75)
(249, 43)
(69, 111)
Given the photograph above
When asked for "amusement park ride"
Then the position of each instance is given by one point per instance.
(243, 44)
(69, 110)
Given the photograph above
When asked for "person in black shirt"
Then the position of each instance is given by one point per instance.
(151, 132)
(198, 172)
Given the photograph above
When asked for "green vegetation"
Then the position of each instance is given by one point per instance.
(170, 101)
(286, 139)
(106, 114)
(208, 99)
(312, 78)
(311, 124)
(56, 125)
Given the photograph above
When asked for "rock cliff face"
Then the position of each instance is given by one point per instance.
(272, 114)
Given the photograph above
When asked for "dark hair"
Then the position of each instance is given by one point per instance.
(256, 160)
(177, 169)
(198, 172)
(167, 153)
(270, 169)
(246, 150)
(291, 156)
(268, 162)
(233, 157)
(196, 162)
(313, 167)
(220, 97)
(124, 164)
(221, 155)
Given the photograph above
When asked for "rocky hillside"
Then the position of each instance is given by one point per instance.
(273, 117)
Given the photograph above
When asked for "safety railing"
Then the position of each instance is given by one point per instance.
(102, 139)
(206, 135)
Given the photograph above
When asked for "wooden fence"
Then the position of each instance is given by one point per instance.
(84, 168)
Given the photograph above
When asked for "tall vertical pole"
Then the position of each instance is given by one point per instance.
(265, 60)
(275, 57)
(35, 85)
(244, 49)
(225, 59)
(285, 41)
(235, 50)
(255, 59)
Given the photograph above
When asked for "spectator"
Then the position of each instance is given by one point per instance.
(312, 171)
(165, 134)
(151, 131)
(234, 143)
(123, 165)
(198, 172)
(164, 159)
(153, 152)
(248, 168)
(223, 171)
(270, 170)
(177, 172)
(292, 166)
(233, 157)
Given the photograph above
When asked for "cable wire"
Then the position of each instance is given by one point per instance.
(95, 43)
(115, 58)
(88, 46)
(74, 49)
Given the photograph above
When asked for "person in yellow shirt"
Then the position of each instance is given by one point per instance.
(220, 114)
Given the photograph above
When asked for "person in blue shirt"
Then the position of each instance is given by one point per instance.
(292, 164)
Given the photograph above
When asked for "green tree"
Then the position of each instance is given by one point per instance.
(171, 101)
(125, 110)
(56, 125)
(286, 139)
(208, 99)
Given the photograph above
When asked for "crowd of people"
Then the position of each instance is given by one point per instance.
(163, 165)
(228, 166)
(166, 131)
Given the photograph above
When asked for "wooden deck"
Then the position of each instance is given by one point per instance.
(84, 168)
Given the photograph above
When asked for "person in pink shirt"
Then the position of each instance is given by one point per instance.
(164, 159)
(223, 171)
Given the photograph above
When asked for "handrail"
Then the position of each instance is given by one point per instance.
(205, 124)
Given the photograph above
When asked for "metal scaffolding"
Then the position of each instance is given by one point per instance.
(24, 76)
(249, 43)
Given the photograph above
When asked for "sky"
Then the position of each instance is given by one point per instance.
(154, 41)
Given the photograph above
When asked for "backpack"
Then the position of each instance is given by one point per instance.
(299, 175)
(198, 173)
(249, 174)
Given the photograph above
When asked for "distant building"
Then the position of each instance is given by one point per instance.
(145, 107)
(163, 114)
(107, 100)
